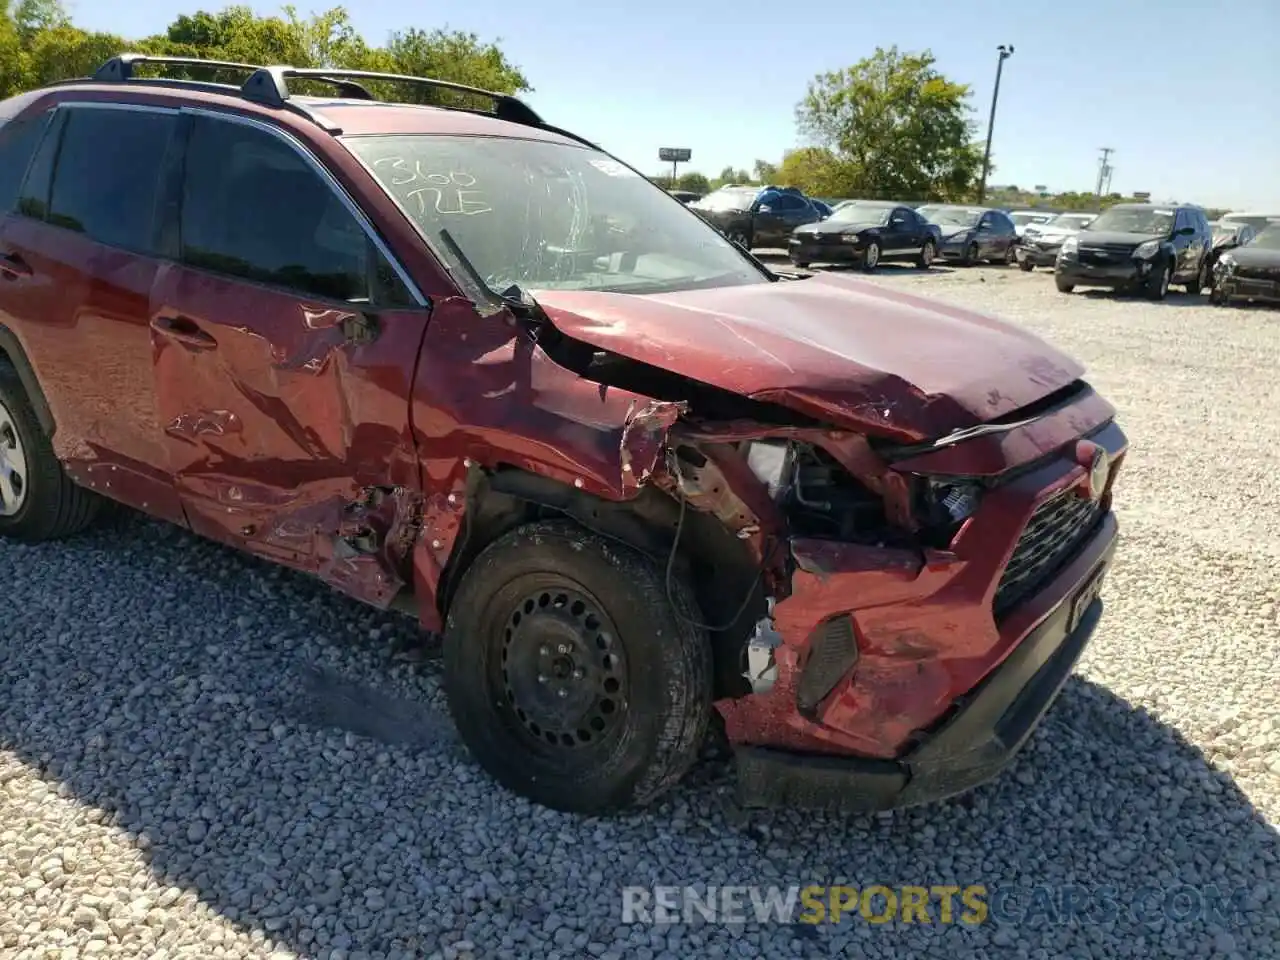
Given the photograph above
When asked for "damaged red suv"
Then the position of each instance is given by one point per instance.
(455, 359)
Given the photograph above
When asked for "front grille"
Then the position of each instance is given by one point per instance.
(1106, 253)
(1051, 539)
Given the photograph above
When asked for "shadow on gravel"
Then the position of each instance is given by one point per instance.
(244, 726)
(1173, 299)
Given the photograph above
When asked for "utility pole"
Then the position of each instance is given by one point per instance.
(1005, 53)
(1104, 171)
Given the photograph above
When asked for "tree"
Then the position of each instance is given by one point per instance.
(766, 172)
(39, 44)
(817, 171)
(694, 182)
(902, 129)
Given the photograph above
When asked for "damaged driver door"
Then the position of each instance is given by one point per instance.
(284, 342)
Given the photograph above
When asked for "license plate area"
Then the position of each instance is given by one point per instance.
(1085, 597)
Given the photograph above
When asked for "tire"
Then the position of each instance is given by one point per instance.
(802, 264)
(1157, 285)
(871, 257)
(927, 253)
(1201, 280)
(553, 607)
(1026, 266)
(38, 501)
(1064, 286)
(1010, 256)
(1216, 296)
(741, 238)
(970, 255)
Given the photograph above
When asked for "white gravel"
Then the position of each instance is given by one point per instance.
(203, 755)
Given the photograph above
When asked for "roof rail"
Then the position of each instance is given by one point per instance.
(269, 86)
(120, 68)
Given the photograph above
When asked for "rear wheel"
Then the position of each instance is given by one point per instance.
(571, 675)
(1010, 255)
(1064, 286)
(1201, 280)
(38, 501)
(741, 238)
(971, 254)
(1026, 266)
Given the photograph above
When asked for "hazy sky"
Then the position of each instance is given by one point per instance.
(1187, 94)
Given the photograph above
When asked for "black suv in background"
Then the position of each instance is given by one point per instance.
(1139, 246)
(757, 216)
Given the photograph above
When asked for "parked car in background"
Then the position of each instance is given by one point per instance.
(1257, 219)
(970, 234)
(824, 208)
(1249, 272)
(636, 480)
(1041, 242)
(1025, 218)
(1138, 246)
(1227, 235)
(756, 216)
(867, 232)
(685, 196)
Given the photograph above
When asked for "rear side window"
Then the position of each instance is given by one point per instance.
(107, 175)
(18, 141)
(252, 207)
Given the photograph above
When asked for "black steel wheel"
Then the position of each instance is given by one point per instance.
(571, 674)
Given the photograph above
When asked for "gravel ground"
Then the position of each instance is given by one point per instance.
(203, 755)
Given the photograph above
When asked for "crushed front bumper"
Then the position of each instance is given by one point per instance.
(1037, 256)
(1235, 287)
(983, 733)
(958, 652)
(1121, 274)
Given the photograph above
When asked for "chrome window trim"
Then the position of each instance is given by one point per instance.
(293, 143)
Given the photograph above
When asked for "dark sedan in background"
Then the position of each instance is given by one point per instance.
(1041, 243)
(970, 234)
(756, 216)
(1138, 246)
(868, 233)
(1250, 272)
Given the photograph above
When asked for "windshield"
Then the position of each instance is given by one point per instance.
(1268, 239)
(1022, 219)
(862, 213)
(952, 216)
(732, 199)
(1149, 221)
(549, 215)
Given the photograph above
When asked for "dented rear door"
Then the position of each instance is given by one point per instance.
(285, 340)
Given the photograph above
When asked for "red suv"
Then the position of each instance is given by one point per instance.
(457, 359)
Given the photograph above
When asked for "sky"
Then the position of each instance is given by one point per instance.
(1186, 94)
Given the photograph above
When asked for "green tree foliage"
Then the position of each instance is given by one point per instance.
(896, 127)
(39, 44)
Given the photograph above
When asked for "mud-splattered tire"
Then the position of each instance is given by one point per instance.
(551, 607)
(1026, 266)
(38, 501)
(1064, 286)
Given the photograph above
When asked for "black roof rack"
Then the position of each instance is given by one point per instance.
(269, 86)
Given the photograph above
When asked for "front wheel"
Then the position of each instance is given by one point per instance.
(741, 238)
(571, 673)
(927, 253)
(1026, 266)
(1064, 286)
(1010, 255)
(971, 255)
(871, 257)
(1158, 283)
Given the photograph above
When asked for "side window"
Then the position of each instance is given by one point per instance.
(252, 207)
(1003, 224)
(787, 203)
(18, 141)
(1180, 220)
(107, 173)
(33, 198)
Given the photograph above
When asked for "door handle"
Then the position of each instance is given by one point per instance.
(13, 266)
(184, 330)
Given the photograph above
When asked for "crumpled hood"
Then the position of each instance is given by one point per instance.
(850, 352)
(950, 230)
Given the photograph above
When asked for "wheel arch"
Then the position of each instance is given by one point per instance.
(12, 351)
(716, 564)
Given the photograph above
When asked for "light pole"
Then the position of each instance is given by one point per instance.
(1005, 53)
